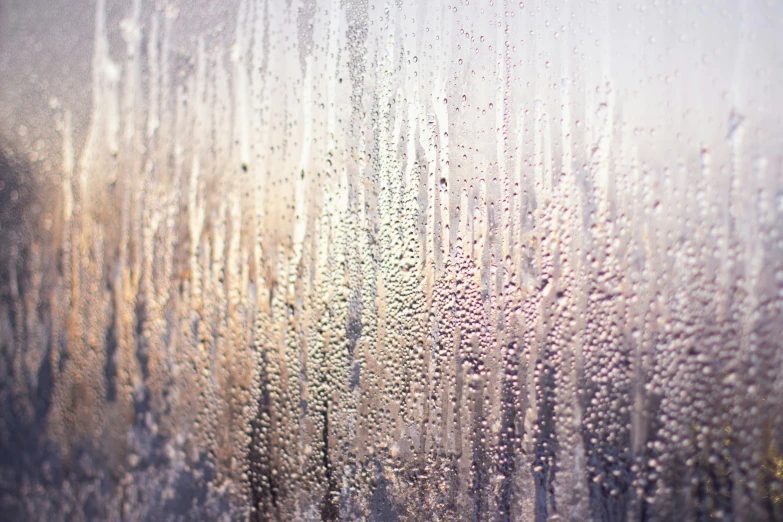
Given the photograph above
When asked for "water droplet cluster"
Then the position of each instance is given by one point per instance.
(403, 262)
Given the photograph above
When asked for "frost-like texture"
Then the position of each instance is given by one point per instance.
(407, 261)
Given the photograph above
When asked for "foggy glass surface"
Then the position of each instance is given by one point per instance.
(320, 260)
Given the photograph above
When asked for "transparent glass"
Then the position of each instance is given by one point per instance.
(391, 260)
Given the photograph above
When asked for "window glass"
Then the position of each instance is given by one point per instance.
(391, 260)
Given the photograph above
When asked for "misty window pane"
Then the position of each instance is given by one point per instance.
(443, 260)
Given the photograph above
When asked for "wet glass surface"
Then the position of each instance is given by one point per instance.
(364, 260)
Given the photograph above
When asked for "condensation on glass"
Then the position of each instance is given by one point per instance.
(364, 260)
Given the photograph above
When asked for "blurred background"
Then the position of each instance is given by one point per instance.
(368, 260)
